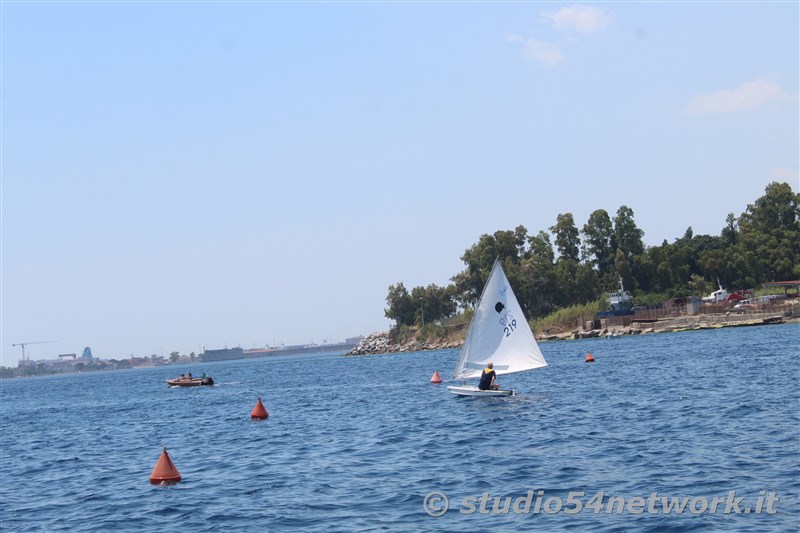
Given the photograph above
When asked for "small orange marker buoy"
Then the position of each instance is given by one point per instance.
(259, 411)
(436, 378)
(589, 358)
(165, 472)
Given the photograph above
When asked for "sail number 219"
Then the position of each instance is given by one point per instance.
(510, 327)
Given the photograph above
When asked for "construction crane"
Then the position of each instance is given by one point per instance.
(23, 344)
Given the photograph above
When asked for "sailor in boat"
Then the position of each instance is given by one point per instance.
(487, 378)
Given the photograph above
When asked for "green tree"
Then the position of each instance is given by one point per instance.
(597, 234)
(623, 269)
(587, 284)
(540, 248)
(730, 232)
(769, 234)
(537, 288)
(644, 271)
(432, 303)
(479, 259)
(698, 285)
(424, 305)
(401, 307)
(567, 237)
(538, 270)
(566, 271)
(627, 236)
(777, 209)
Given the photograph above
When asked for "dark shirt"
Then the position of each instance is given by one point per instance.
(486, 380)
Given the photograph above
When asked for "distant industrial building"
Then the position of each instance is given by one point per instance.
(64, 362)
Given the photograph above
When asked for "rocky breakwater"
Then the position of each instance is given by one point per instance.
(376, 343)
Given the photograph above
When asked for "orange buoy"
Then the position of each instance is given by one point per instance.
(436, 378)
(589, 358)
(259, 411)
(165, 472)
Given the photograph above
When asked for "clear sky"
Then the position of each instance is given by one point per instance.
(183, 175)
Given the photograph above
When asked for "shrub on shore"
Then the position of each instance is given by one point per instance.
(567, 318)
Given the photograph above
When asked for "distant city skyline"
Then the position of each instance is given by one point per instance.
(178, 175)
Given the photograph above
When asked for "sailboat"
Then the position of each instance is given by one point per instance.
(499, 333)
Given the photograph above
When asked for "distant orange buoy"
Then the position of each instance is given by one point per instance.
(259, 411)
(165, 472)
(589, 358)
(436, 378)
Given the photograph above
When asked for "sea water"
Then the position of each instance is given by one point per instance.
(368, 444)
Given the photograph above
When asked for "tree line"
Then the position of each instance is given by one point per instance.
(567, 265)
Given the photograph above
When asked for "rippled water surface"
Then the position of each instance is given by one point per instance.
(357, 443)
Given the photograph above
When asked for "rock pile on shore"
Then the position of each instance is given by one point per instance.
(376, 343)
(371, 344)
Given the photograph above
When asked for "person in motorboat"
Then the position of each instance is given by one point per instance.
(487, 378)
(190, 376)
(183, 377)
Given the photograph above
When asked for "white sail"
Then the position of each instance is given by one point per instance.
(498, 333)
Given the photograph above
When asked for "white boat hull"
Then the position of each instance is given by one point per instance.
(471, 390)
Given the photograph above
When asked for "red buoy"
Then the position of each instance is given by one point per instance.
(589, 358)
(436, 378)
(259, 411)
(165, 472)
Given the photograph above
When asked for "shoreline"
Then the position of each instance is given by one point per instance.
(379, 343)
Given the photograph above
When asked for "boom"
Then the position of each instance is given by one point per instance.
(23, 344)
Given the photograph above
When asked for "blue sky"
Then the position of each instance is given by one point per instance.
(181, 175)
